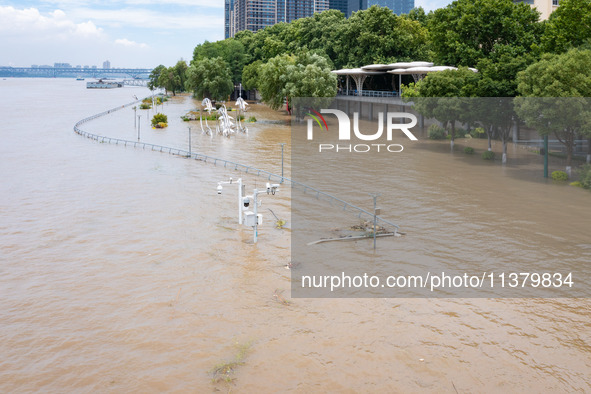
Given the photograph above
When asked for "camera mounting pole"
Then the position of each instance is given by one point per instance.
(240, 194)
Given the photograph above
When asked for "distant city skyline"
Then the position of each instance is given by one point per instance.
(129, 33)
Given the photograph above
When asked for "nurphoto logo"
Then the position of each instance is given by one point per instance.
(394, 121)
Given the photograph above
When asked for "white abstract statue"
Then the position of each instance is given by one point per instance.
(208, 107)
(225, 124)
(241, 104)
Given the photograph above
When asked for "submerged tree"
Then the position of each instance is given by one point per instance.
(557, 91)
(170, 81)
(444, 96)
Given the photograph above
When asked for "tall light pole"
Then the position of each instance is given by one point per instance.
(134, 115)
(189, 141)
(546, 156)
(139, 123)
(375, 217)
(282, 145)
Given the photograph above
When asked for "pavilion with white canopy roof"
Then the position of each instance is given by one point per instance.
(418, 70)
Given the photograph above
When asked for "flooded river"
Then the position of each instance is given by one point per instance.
(122, 269)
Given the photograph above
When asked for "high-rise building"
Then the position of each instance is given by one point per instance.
(546, 7)
(397, 6)
(106, 64)
(228, 6)
(254, 15)
(340, 5)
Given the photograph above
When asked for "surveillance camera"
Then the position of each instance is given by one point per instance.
(220, 189)
(272, 188)
(245, 202)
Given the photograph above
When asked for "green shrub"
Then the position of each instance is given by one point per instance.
(147, 100)
(585, 176)
(488, 155)
(252, 119)
(559, 176)
(159, 118)
(477, 132)
(145, 106)
(576, 184)
(436, 132)
(469, 150)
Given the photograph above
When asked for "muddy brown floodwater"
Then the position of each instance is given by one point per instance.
(122, 270)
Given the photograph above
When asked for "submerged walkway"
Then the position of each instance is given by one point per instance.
(320, 195)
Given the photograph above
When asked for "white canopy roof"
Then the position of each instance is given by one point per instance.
(416, 68)
(356, 71)
(376, 67)
(420, 70)
(409, 65)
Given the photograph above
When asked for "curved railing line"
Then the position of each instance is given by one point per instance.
(237, 166)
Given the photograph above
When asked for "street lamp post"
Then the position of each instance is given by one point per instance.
(189, 141)
(139, 123)
(282, 145)
(375, 217)
(546, 156)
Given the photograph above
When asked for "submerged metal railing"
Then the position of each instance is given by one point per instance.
(360, 212)
(369, 93)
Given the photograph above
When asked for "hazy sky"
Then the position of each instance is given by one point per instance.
(128, 33)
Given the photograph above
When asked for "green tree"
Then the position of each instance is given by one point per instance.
(556, 100)
(378, 35)
(273, 78)
(210, 78)
(231, 50)
(310, 77)
(303, 75)
(418, 14)
(499, 72)
(169, 80)
(154, 76)
(320, 33)
(569, 26)
(250, 75)
(469, 30)
(180, 70)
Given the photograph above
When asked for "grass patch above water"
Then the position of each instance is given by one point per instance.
(224, 372)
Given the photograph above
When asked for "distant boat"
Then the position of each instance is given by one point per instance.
(100, 84)
(79, 79)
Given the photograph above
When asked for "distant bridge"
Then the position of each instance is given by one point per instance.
(135, 82)
(73, 72)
